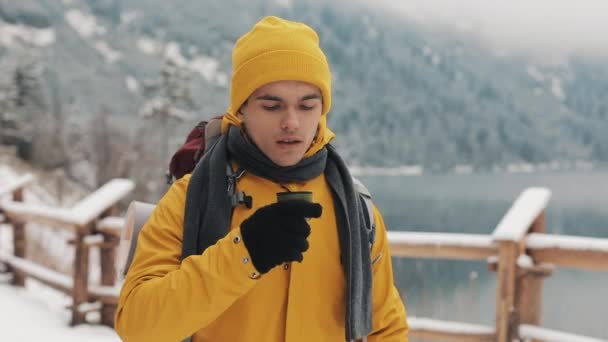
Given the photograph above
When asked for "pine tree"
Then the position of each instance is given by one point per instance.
(170, 94)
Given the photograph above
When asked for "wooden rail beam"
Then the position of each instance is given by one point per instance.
(531, 332)
(89, 209)
(432, 329)
(569, 251)
(441, 245)
(54, 279)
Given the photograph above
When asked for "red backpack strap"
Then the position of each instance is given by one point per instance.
(203, 135)
(184, 159)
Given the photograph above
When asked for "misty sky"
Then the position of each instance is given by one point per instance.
(547, 28)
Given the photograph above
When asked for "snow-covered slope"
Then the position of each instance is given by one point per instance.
(37, 313)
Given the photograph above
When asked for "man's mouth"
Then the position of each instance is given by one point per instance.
(289, 141)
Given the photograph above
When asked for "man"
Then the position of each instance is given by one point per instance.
(258, 269)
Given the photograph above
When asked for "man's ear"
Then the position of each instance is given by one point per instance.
(239, 112)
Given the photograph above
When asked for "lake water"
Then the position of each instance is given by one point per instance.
(573, 300)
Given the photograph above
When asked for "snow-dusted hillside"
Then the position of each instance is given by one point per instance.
(434, 99)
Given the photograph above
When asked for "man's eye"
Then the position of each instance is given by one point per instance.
(305, 107)
(271, 108)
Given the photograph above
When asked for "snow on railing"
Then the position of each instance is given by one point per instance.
(111, 225)
(527, 207)
(530, 332)
(569, 251)
(565, 242)
(84, 212)
(103, 198)
(7, 188)
(60, 281)
(441, 245)
(449, 331)
(55, 279)
(109, 293)
(41, 213)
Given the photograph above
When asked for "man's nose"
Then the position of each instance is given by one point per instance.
(290, 121)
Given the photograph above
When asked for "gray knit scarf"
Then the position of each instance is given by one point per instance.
(207, 193)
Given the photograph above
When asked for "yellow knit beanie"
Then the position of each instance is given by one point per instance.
(276, 49)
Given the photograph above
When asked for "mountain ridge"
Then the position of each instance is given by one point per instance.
(402, 95)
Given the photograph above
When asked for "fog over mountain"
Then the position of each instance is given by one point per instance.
(424, 84)
(549, 30)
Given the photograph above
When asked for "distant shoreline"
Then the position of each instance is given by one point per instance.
(466, 169)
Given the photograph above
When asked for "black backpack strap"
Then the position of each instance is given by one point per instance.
(366, 200)
(237, 197)
(213, 131)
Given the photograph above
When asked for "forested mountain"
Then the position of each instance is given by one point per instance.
(402, 94)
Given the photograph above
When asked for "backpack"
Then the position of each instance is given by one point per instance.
(187, 156)
(183, 161)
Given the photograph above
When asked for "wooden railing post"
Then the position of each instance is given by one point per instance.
(508, 252)
(529, 303)
(81, 275)
(19, 241)
(530, 285)
(510, 236)
(108, 267)
(108, 274)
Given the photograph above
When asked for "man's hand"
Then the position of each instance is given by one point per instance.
(278, 233)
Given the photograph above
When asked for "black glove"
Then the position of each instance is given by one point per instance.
(277, 233)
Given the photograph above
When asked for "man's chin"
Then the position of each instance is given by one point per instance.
(287, 161)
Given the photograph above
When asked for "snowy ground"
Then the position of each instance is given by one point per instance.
(37, 313)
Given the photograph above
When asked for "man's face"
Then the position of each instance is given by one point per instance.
(282, 119)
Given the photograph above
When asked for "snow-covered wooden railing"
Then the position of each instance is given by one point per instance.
(56, 280)
(521, 255)
(533, 333)
(526, 215)
(430, 329)
(518, 250)
(442, 245)
(111, 225)
(519, 218)
(80, 215)
(15, 185)
(569, 251)
(93, 227)
(15, 189)
(108, 291)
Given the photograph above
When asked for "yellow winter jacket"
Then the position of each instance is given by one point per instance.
(216, 297)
